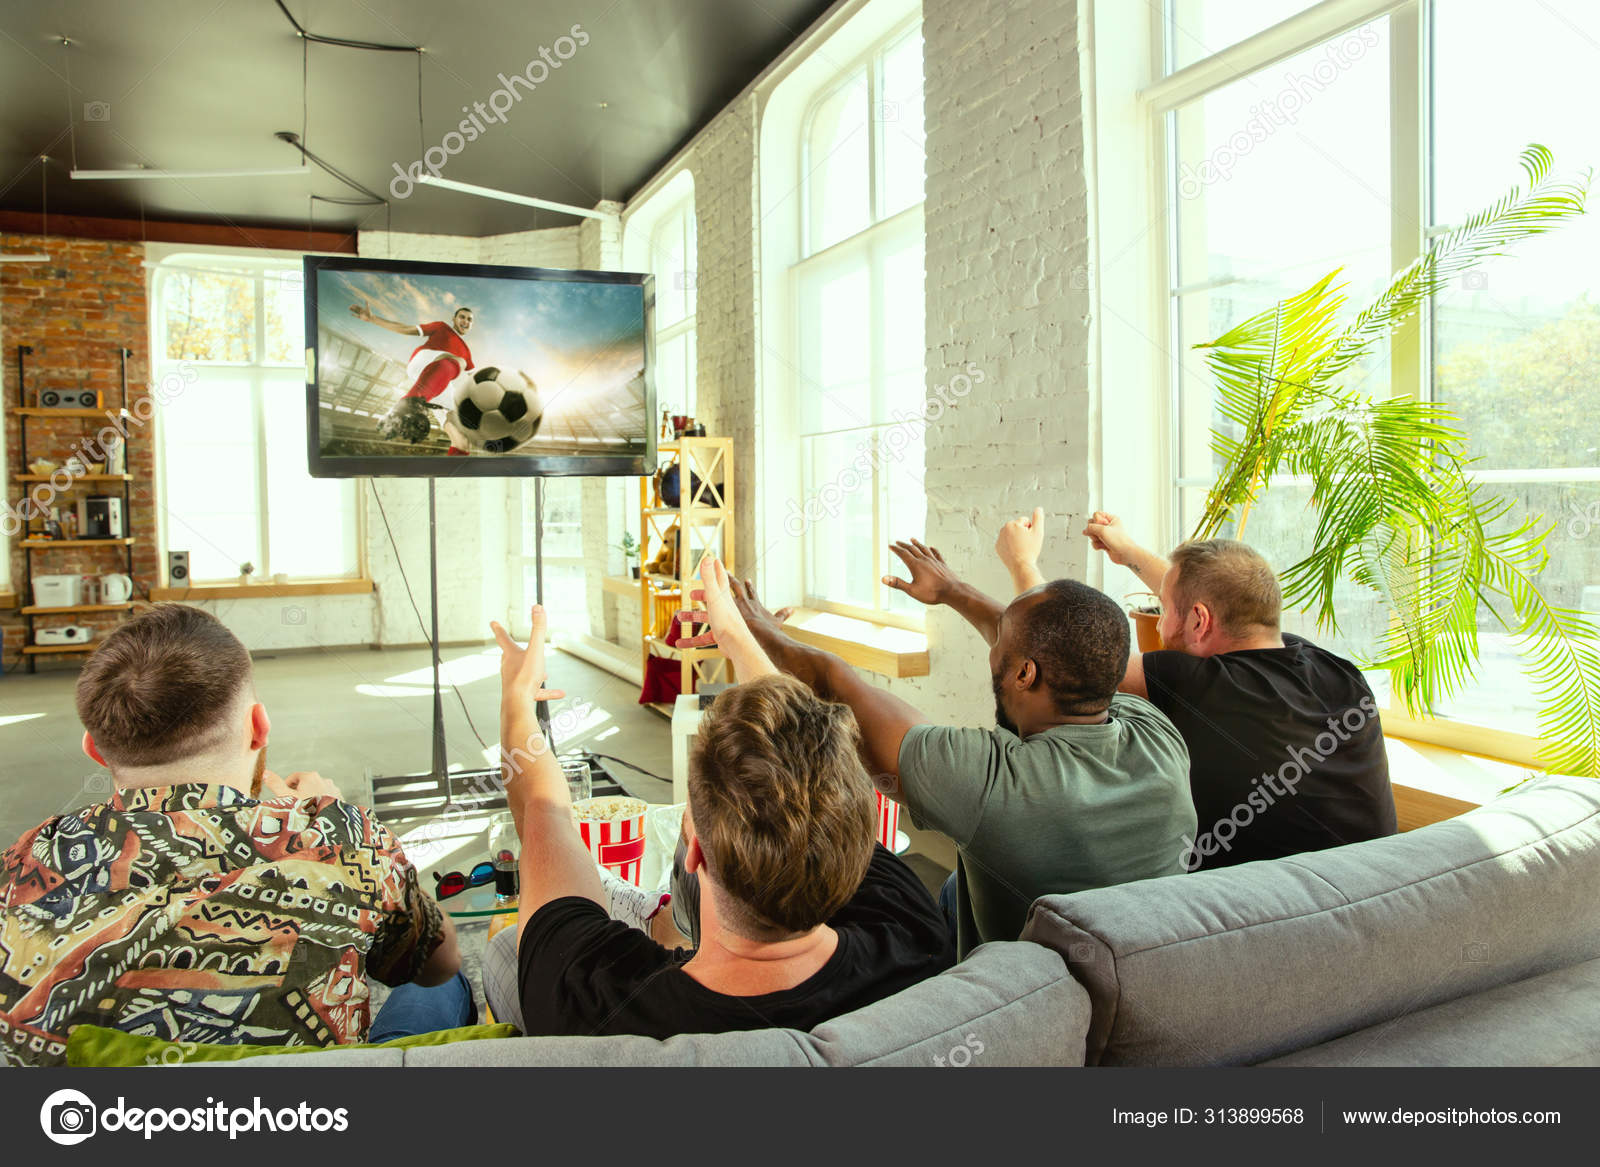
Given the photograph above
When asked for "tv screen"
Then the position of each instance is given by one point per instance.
(443, 369)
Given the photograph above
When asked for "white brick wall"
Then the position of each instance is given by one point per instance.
(1007, 249)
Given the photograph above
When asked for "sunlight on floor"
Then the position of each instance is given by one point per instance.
(14, 718)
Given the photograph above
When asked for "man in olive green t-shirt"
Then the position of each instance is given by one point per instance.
(1078, 787)
(1075, 806)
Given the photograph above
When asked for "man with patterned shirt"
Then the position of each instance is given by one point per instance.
(209, 900)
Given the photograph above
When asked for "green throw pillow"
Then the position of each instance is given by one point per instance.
(94, 1045)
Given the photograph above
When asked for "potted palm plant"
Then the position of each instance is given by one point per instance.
(1397, 511)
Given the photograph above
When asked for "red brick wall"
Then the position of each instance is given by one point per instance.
(76, 311)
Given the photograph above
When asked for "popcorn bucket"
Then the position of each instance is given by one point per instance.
(613, 829)
(888, 821)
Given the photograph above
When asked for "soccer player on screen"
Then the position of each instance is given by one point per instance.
(435, 363)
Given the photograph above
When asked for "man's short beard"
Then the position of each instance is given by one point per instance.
(261, 770)
(1000, 717)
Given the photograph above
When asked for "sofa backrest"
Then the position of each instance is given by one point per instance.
(1008, 1004)
(1246, 963)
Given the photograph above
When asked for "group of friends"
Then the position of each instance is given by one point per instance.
(211, 900)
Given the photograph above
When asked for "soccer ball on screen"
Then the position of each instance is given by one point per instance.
(496, 412)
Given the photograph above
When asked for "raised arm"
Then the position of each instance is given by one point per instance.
(882, 717)
(1106, 533)
(1019, 544)
(363, 311)
(932, 582)
(555, 863)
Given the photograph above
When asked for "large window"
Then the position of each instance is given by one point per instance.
(673, 261)
(858, 293)
(1352, 147)
(228, 341)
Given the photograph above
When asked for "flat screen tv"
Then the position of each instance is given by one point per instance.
(432, 370)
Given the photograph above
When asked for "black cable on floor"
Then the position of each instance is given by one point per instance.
(421, 624)
(629, 765)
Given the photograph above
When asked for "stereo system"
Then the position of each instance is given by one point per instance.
(66, 634)
(178, 569)
(69, 399)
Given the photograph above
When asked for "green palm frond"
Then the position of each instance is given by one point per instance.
(1397, 511)
(1511, 218)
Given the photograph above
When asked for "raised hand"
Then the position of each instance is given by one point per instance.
(522, 674)
(728, 615)
(1021, 541)
(1106, 533)
(931, 582)
(362, 311)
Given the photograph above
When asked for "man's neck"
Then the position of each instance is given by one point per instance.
(158, 776)
(740, 967)
(1265, 638)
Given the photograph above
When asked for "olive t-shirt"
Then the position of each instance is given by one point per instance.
(1074, 807)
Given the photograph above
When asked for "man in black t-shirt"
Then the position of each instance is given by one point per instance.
(798, 915)
(1286, 752)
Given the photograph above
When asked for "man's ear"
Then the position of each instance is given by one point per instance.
(260, 726)
(1202, 621)
(1027, 674)
(693, 857)
(93, 751)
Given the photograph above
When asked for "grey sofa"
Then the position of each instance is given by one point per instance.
(1470, 942)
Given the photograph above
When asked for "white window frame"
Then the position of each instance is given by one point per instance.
(679, 217)
(879, 225)
(254, 266)
(1410, 232)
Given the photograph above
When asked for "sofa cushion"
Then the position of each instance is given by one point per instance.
(1008, 1004)
(1549, 1020)
(1246, 963)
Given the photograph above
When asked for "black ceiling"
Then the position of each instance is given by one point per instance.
(205, 84)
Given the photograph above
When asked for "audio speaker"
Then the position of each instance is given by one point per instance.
(178, 569)
(69, 399)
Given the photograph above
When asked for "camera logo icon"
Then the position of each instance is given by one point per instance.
(97, 111)
(294, 615)
(68, 1117)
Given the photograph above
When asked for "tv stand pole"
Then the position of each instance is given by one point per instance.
(441, 759)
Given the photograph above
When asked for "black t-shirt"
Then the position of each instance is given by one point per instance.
(1285, 751)
(583, 973)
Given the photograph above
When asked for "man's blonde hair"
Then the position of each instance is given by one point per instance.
(782, 806)
(1231, 578)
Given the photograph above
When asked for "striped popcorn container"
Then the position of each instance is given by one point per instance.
(888, 821)
(613, 829)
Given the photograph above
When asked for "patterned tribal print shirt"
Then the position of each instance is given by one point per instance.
(196, 913)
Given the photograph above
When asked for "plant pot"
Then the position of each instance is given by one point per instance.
(1147, 631)
(635, 570)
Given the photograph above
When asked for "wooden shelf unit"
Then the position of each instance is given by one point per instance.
(704, 521)
(32, 545)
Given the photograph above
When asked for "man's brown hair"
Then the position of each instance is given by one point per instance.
(782, 805)
(159, 689)
(1232, 579)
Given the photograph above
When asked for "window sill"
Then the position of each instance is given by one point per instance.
(878, 648)
(265, 591)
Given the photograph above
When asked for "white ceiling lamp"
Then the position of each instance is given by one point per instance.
(505, 196)
(144, 172)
